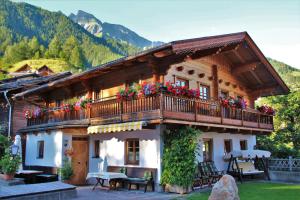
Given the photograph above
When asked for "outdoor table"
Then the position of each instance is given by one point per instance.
(29, 175)
(111, 177)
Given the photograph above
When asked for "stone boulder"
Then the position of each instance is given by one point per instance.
(225, 189)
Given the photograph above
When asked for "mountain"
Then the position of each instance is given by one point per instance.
(104, 29)
(30, 32)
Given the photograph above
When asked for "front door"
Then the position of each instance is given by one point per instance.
(79, 160)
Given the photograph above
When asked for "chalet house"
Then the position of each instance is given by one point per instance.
(115, 132)
(12, 112)
(43, 70)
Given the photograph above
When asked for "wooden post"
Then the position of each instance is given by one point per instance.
(162, 104)
(195, 109)
(290, 164)
(252, 101)
(215, 82)
(242, 117)
(162, 78)
(221, 112)
(155, 72)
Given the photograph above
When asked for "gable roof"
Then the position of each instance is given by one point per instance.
(31, 81)
(198, 46)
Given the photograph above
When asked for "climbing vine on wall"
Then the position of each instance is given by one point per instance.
(179, 159)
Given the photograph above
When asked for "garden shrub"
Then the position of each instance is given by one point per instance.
(66, 172)
(179, 158)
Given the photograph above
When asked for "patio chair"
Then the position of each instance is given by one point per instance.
(205, 174)
(214, 172)
(198, 181)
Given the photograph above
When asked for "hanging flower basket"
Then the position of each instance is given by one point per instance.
(28, 114)
(266, 110)
(67, 107)
(69, 152)
(231, 102)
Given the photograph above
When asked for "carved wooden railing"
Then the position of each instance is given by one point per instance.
(55, 115)
(161, 106)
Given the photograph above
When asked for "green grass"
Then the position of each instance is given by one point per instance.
(260, 191)
(54, 64)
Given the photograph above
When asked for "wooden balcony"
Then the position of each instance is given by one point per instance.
(165, 109)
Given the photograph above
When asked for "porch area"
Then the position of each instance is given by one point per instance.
(163, 108)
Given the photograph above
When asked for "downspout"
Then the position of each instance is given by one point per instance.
(9, 113)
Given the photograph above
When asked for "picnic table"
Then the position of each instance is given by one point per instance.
(28, 175)
(111, 177)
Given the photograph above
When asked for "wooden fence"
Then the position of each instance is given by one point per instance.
(289, 164)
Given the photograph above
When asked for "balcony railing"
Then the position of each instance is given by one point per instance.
(55, 115)
(162, 107)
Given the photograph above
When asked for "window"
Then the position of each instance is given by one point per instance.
(182, 82)
(132, 151)
(227, 146)
(57, 103)
(97, 95)
(224, 94)
(40, 149)
(96, 149)
(243, 145)
(207, 149)
(204, 92)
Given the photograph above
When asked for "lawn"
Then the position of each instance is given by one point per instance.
(260, 191)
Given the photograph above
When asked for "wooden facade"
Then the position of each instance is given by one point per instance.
(228, 64)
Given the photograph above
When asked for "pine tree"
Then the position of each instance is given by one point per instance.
(76, 57)
(54, 48)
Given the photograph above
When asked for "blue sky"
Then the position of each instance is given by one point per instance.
(274, 25)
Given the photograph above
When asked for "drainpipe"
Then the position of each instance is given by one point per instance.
(9, 113)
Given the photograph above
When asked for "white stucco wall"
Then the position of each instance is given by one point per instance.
(112, 150)
(218, 145)
(53, 149)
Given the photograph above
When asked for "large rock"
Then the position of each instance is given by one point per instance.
(225, 189)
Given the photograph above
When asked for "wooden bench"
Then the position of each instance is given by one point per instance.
(44, 178)
(247, 168)
(136, 176)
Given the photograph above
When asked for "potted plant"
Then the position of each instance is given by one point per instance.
(66, 172)
(9, 165)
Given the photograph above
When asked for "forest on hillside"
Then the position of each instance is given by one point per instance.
(29, 32)
(285, 140)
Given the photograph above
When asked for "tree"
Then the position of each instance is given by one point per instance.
(285, 141)
(76, 57)
(54, 48)
(68, 47)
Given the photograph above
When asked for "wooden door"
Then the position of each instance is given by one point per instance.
(79, 160)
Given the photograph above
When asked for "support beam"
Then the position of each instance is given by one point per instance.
(215, 82)
(235, 52)
(162, 54)
(145, 58)
(256, 77)
(261, 91)
(251, 66)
